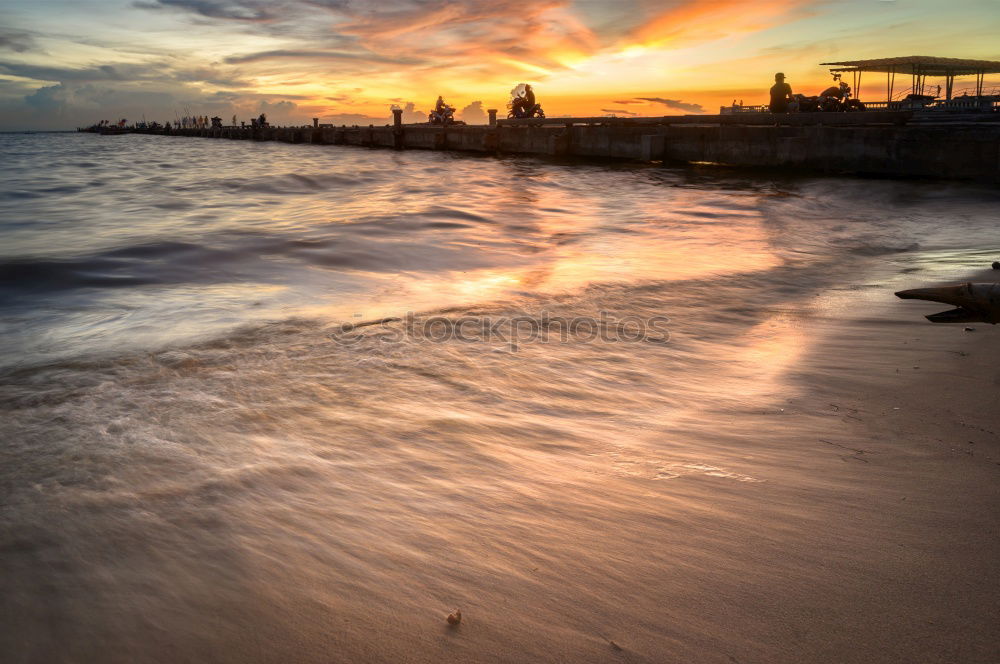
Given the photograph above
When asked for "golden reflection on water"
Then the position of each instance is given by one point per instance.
(556, 264)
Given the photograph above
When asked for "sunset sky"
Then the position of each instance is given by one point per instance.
(64, 63)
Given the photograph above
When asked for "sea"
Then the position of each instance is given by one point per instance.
(258, 392)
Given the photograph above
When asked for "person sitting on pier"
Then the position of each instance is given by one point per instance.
(262, 121)
(781, 94)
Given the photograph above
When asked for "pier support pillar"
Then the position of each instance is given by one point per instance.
(561, 144)
(493, 116)
(397, 128)
(653, 147)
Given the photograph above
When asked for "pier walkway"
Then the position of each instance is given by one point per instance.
(885, 143)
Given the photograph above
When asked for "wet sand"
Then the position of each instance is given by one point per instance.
(856, 521)
(868, 532)
(877, 542)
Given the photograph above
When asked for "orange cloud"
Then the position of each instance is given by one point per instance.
(708, 20)
(536, 36)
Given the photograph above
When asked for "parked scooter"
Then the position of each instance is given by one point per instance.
(836, 98)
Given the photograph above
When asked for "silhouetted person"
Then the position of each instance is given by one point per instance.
(529, 100)
(781, 93)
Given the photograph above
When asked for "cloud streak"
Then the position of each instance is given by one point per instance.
(284, 54)
(232, 10)
(675, 104)
(19, 42)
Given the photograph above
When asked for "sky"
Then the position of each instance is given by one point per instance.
(66, 63)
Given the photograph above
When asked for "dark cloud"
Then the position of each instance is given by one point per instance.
(626, 101)
(74, 99)
(125, 73)
(19, 42)
(47, 99)
(321, 55)
(235, 10)
(618, 111)
(115, 72)
(675, 104)
(75, 103)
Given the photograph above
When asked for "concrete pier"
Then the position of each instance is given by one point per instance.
(893, 144)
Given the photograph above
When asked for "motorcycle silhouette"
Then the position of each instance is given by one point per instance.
(836, 98)
(445, 116)
(518, 106)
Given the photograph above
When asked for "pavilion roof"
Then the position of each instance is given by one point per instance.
(922, 64)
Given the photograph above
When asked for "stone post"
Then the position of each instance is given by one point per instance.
(493, 116)
(315, 123)
(397, 128)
